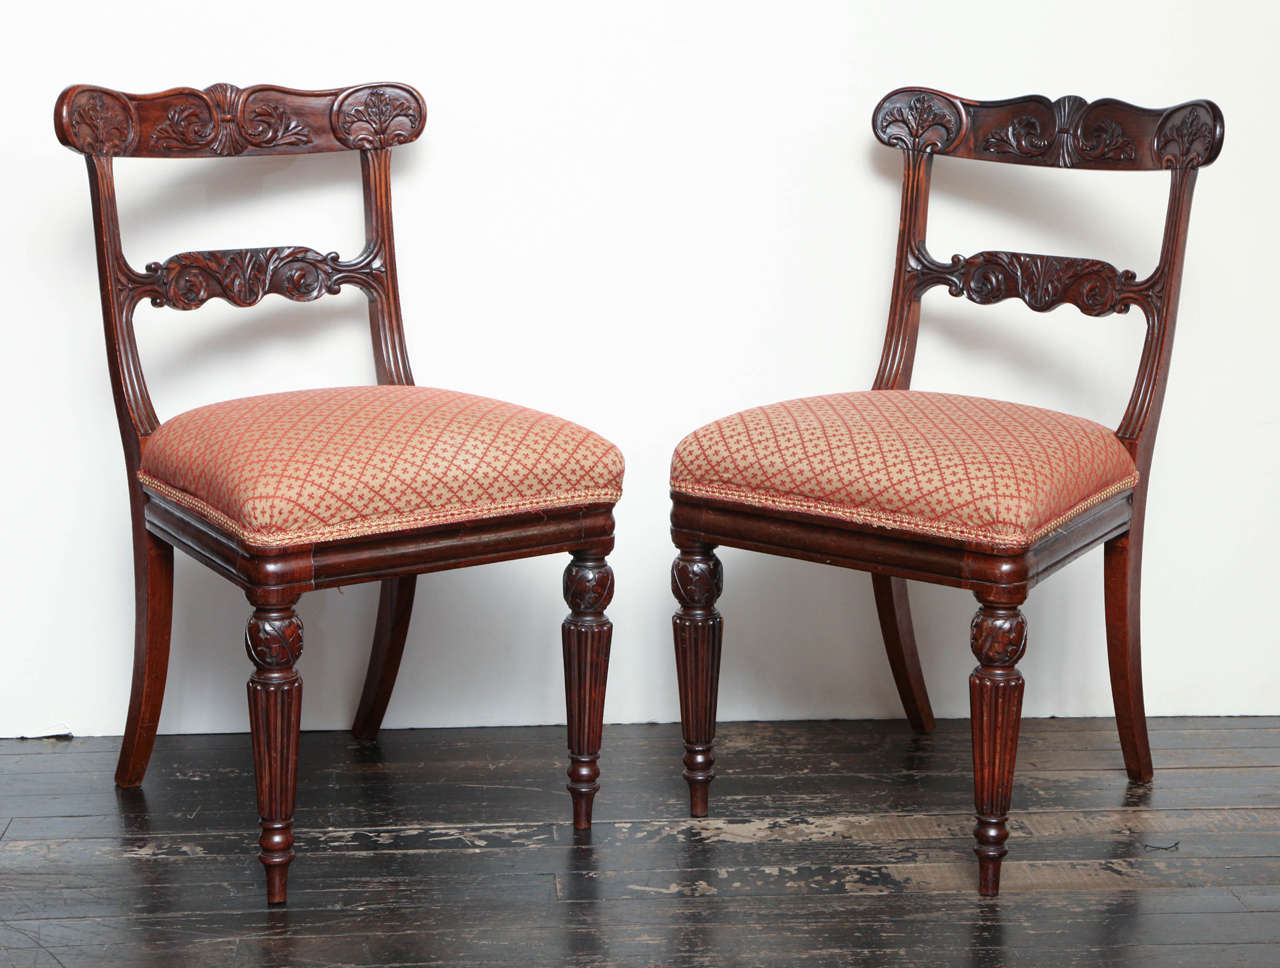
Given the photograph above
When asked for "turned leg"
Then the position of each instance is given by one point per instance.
(900, 645)
(697, 581)
(395, 607)
(153, 617)
(585, 634)
(999, 637)
(1122, 577)
(273, 639)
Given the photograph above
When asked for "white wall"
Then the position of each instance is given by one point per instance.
(642, 216)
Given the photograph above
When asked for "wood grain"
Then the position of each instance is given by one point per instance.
(820, 876)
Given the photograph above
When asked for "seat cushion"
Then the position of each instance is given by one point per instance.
(996, 474)
(314, 465)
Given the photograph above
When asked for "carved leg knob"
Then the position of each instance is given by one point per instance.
(585, 634)
(999, 638)
(273, 640)
(697, 580)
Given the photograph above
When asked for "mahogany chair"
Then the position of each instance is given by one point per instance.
(956, 490)
(290, 492)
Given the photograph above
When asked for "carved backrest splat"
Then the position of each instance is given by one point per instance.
(1067, 133)
(225, 121)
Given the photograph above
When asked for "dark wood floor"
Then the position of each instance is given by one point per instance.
(833, 843)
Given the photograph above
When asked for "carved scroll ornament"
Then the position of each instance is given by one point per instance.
(1068, 138)
(222, 120)
(1043, 282)
(244, 276)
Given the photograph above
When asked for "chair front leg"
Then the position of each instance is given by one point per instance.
(998, 639)
(585, 634)
(273, 639)
(697, 580)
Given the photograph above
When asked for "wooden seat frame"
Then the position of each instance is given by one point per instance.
(1068, 133)
(226, 121)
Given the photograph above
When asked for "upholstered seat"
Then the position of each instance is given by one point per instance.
(314, 465)
(984, 471)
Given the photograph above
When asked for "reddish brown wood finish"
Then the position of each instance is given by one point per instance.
(998, 637)
(226, 121)
(894, 611)
(585, 636)
(395, 608)
(1067, 133)
(697, 580)
(273, 640)
(153, 593)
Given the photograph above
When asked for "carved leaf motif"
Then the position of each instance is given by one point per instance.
(243, 276)
(925, 123)
(998, 637)
(1021, 137)
(1106, 140)
(274, 643)
(1065, 145)
(1043, 282)
(99, 125)
(271, 124)
(379, 121)
(191, 126)
(588, 587)
(1185, 139)
(697, 582)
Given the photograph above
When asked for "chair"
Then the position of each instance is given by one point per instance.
(956, 490)
(290, 492)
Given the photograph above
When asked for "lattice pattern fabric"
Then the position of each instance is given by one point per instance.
(984, 471)
(313, 465)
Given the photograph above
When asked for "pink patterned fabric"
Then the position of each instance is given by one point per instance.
(313, 465)
(985, 471)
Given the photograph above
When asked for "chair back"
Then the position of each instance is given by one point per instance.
(224, 121)
(1106, 135)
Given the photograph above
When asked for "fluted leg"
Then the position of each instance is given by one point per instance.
(697, 581)
(395, 607)
(153, 605)
(999, 637)
(585, 634)
(273, 639)
(900, 645)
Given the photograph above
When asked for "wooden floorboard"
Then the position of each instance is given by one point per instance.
(831, 843)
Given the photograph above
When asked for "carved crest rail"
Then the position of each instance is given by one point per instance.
(224, 120)
(1067, 133)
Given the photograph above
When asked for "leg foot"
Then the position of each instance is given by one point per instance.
(153, 591)
(900, 645)
(585, 635)
(999, 637)
(273, 639)
(697, 581)
(395, 607)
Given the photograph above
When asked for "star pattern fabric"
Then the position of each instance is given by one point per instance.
(314, 465)
(996, 474)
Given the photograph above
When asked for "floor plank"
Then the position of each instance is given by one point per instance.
(831, 843)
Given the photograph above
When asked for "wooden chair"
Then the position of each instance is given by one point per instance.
(959, 491)
(289, 492)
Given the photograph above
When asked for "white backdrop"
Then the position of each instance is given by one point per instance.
(642, 217)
